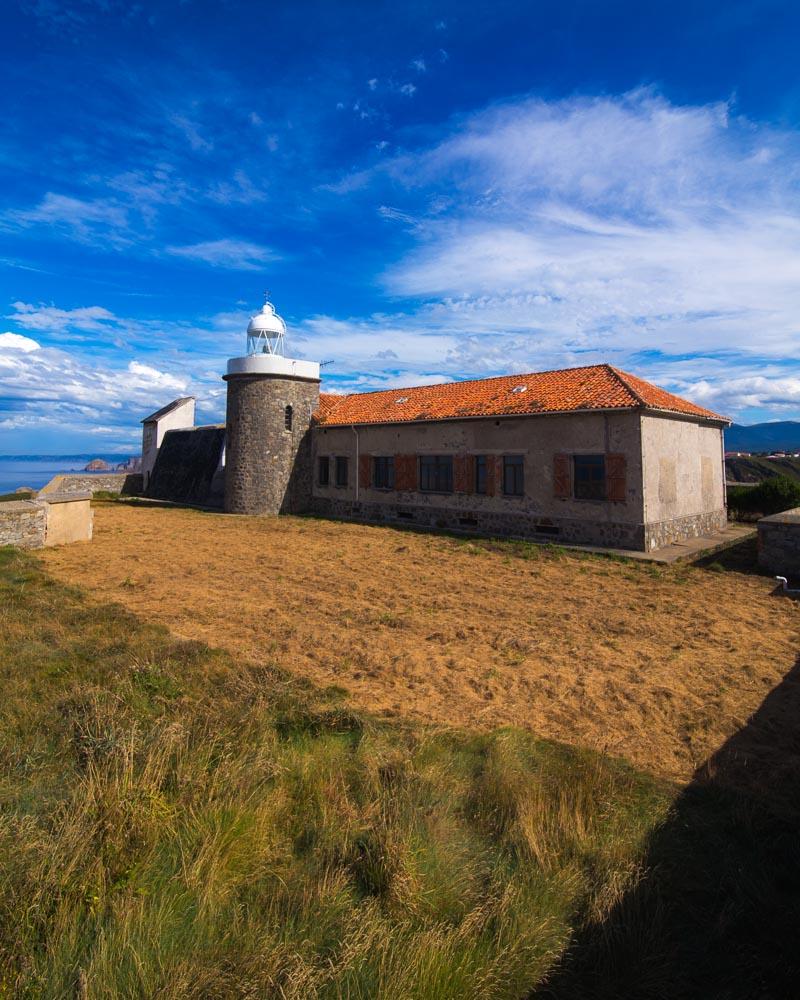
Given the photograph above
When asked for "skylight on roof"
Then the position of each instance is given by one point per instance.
(520, 388)
(401, 399)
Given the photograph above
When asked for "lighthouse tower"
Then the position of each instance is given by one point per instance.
(271, 399)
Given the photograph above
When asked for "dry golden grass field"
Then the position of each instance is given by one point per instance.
(658, 664)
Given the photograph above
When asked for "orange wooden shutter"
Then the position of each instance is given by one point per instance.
(405, 472)
(616, 484)
(561, 476)
(494, 475)
(470, 465)
(460, 473)
(364, 470)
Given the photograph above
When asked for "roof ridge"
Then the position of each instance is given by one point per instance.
(466, 381)
(622, 378)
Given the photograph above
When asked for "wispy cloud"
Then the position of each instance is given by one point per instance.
(191, 131)
(592, 229)
(238, 255)
(84, 220)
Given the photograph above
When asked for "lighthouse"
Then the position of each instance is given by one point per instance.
(271, 401)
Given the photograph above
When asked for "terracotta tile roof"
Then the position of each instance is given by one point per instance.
(596, 387)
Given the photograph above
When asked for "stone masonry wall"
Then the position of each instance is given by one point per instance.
(609, 534)
(81, 482)
(268, 469)
(779, 543)
(658, 534)
(22, 523)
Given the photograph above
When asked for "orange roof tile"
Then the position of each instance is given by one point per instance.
(596, 387)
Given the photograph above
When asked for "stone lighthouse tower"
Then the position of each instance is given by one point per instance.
(271, 399)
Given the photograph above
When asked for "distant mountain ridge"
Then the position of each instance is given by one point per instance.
(782, 435)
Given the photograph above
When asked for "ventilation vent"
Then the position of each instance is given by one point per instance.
(520, 388)
(401, 399)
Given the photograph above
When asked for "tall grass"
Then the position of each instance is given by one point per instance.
(176, 823)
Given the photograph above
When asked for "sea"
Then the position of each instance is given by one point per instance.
(37, 470)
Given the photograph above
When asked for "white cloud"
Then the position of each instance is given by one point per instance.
(16, 342)
(419, 65)
(408, 89)
(147, 377)
(49, 318)
(238, 255)
(54, 388)
(629, 229)
(778, 393)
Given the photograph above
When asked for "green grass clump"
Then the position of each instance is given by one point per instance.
(177, 823)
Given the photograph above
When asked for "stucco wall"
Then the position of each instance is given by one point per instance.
(538, 439)
(153, 432)
(68, 519)
(55, 520)
(684, 484)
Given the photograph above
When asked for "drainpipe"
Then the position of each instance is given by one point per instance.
(357, 461)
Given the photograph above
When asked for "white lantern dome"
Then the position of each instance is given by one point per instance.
(266, 332)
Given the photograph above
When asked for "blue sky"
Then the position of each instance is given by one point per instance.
(431, 191)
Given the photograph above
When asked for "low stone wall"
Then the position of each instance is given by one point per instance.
(22, 523)
(617, 535)
(659, 534)
(779, 543)
(129, 483)
(57, 519)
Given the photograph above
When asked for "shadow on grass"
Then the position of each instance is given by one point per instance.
(143, 503)
(716, 911)
(739, 558)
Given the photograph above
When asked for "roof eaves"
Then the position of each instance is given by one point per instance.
(167, 409)
(480, 416)
(707, 415)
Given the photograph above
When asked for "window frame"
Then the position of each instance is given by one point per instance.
(323, 461)
(593, 488)
(288, 417)
(514, 464)
(342, 462)
(437, 472)
(383, 472)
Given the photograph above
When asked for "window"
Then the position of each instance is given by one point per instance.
(324, 470)
(436, 473)
(341, 471)
(480, 473)
(287, 418)
(383, 473)
(590, 477)
(513, 475)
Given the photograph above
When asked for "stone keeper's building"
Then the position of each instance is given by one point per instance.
(592, 455)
